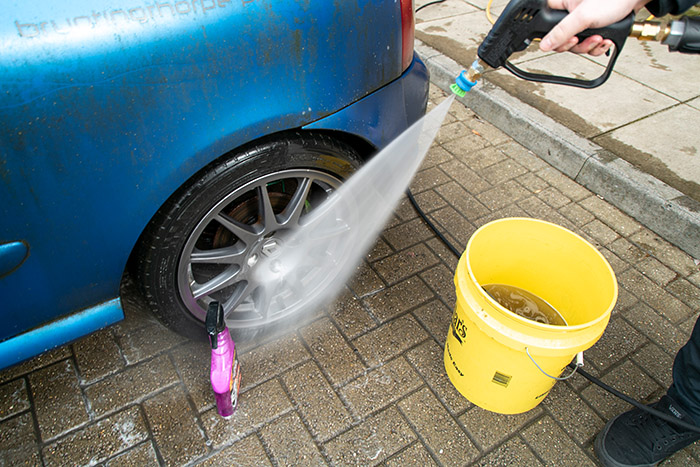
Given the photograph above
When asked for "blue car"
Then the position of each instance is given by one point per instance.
(179, 141)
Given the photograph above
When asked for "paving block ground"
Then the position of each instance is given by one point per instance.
(362, 382)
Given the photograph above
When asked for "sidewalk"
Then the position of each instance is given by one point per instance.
(363, 383)
(634, 140)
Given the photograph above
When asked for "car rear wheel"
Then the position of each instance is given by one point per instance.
(205, 242)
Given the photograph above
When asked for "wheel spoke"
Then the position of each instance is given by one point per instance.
(239, 295)
(242, 231)
(221, 281)
(228, 255)
(292, 212)
(266, 214)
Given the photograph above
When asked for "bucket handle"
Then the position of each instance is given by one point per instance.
(579, 364)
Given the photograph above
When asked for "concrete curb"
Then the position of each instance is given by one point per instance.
(661, 208)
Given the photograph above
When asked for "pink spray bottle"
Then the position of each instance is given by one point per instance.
(225, 371)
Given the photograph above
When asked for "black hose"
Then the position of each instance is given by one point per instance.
(428, 4)
(657, 413)
(434, 228)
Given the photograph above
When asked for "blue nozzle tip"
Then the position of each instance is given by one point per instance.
(463, 83)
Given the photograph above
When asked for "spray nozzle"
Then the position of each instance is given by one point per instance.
(468, 78)
(215, 323)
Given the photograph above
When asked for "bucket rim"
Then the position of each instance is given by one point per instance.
(605, 315)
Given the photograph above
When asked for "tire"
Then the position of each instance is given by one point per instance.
(203, 244)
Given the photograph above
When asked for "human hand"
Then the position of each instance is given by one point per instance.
(585, 14)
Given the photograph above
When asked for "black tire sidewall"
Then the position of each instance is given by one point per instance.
(163, 241)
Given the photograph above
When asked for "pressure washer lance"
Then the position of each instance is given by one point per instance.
(225, 370)
(523, 21)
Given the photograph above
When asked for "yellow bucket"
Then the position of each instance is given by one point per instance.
(492, 354)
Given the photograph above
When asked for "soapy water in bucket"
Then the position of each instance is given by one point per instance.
(317, 258)
(525, 304)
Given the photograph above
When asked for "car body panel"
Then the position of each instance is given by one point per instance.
(107, 108)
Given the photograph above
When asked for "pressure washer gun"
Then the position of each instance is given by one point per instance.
(523, 21)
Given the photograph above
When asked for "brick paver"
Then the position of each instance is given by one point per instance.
(363, 383)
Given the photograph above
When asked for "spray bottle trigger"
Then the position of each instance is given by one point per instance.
(214, 322)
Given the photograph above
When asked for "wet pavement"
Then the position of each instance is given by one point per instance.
(363, 382)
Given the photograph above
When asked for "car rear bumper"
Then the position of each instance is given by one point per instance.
(386, 113)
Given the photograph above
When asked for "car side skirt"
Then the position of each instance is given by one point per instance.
(59, 332)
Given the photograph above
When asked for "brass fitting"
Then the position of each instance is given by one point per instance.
(650, 31)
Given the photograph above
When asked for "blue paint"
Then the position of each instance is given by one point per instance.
(59, 332)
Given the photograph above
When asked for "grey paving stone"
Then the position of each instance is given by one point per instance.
(453, 225)
(627, 378)
(405, 263)
(668, 254)
(502, 195)
(390, 340)
(523, 156)
(58, 402)
(332, 351)
(316, 401)
(686, 292)
(568, 187)
(656, 362)
(398, 299)
(553, 197)
(365, 281)
(351, 317)
(380, 387)
(462, 200)
(436, 156)
(656, 328)
(380, 250)
(488, 429)
(654, 295)
(576, 214)
(443, 436)
(256, 407)
(45, 359)
(465, 176)
(121, 389)
(290, 443)
(175, 430)
(97, 356)
(656, 271)
(193, 363)
(572, 413)
(451, 131)
(143, 454)
(369, 443)
(248, 452)
(14, 398)
(435, 316)
(513, 452)
(538, 209)
(532, 183)
(407, 234)
(416, 454)
(467, 144)
(428, 358)
(445, 255)
(428, 179)
(624, 225)
(147, 342)
(18, 441)
(600, 232)
(501, 172)
(553, 446)
(441, 280)
(617, 342)
(479, 161)
(628, 251)
(98, 441)
(486, 130)
(269, 360)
